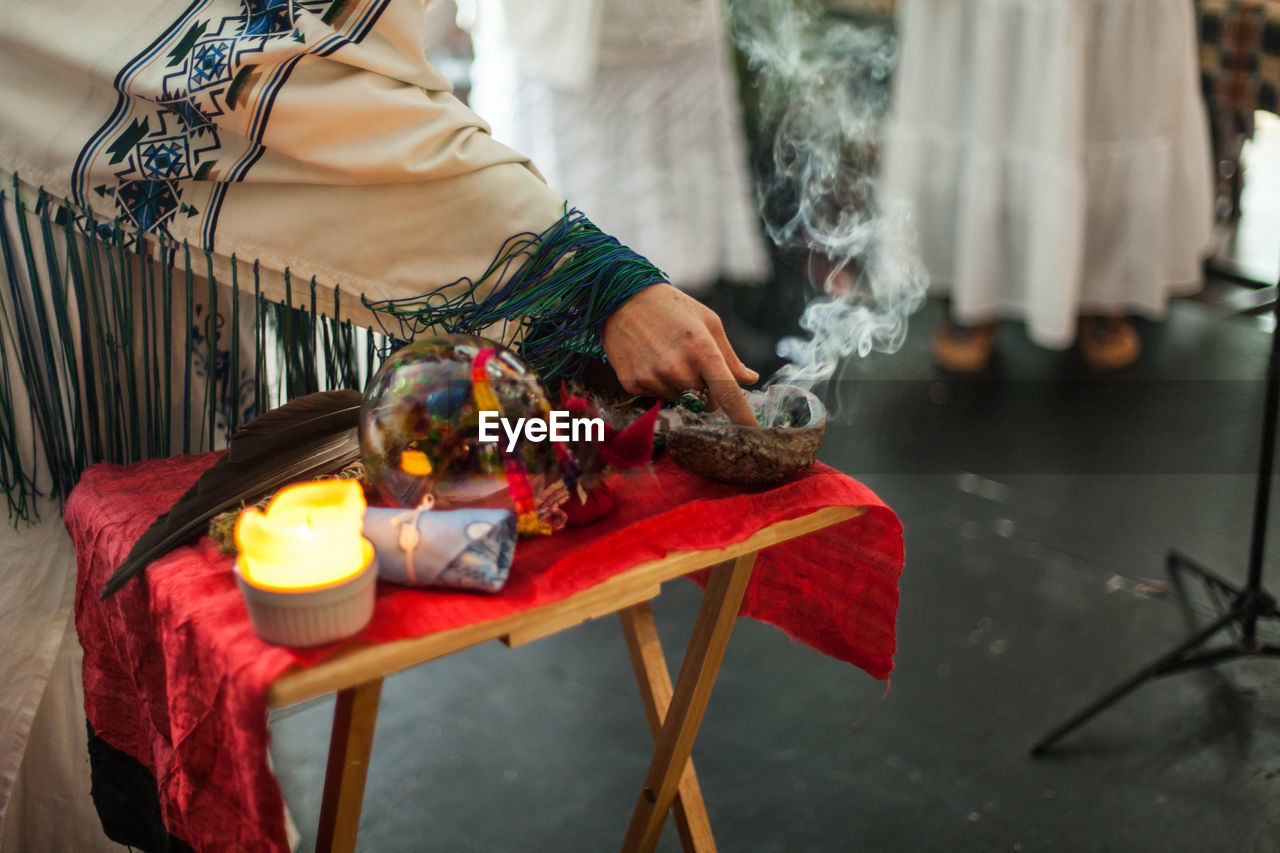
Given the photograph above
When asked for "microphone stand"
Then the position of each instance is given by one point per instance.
(1241, 607)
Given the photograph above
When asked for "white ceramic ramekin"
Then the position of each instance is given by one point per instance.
(312, 617)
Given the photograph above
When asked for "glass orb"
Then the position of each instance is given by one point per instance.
(420, 424)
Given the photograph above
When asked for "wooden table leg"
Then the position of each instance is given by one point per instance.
(354, 717)
(654, 679)
(719, 610)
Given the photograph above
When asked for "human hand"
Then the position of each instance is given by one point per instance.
(662, 342)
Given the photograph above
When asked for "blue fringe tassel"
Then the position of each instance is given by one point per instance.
(558, 287)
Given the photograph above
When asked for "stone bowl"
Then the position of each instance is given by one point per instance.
(792, 423)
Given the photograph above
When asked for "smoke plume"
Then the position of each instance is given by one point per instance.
(822, 84)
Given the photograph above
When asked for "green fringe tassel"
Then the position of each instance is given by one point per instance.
(557, 289)
(122, 359)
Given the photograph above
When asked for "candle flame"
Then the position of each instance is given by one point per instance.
(308, 538)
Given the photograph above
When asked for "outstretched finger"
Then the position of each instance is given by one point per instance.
(726, 392)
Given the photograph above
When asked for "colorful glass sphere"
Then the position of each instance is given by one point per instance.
(420, 423)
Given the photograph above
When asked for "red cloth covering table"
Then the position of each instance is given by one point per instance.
(175, 677)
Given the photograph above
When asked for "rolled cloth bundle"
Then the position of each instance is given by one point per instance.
(214, 209)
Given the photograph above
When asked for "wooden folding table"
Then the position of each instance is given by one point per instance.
(674, 715)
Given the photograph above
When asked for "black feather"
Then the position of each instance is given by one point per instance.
(302, 439)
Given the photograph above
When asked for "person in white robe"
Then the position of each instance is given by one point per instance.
(631, 109)
(1057, 156)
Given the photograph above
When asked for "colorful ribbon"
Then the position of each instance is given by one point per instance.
(518, 486)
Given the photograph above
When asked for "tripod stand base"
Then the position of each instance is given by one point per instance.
(1247, 606)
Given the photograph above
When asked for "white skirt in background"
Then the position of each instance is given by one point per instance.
(1056, 153)
(652, 151)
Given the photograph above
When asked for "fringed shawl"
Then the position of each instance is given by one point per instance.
(208, 205)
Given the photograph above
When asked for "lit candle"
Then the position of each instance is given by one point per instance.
(309, 538)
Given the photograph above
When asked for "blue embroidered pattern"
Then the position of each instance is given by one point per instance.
(170, 122)
(188, 121)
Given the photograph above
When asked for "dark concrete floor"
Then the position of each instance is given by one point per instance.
(1037, 502)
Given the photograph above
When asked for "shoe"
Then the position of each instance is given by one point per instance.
(963, 349)
(1108, 342)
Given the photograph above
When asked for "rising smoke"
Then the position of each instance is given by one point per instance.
(823, 89)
